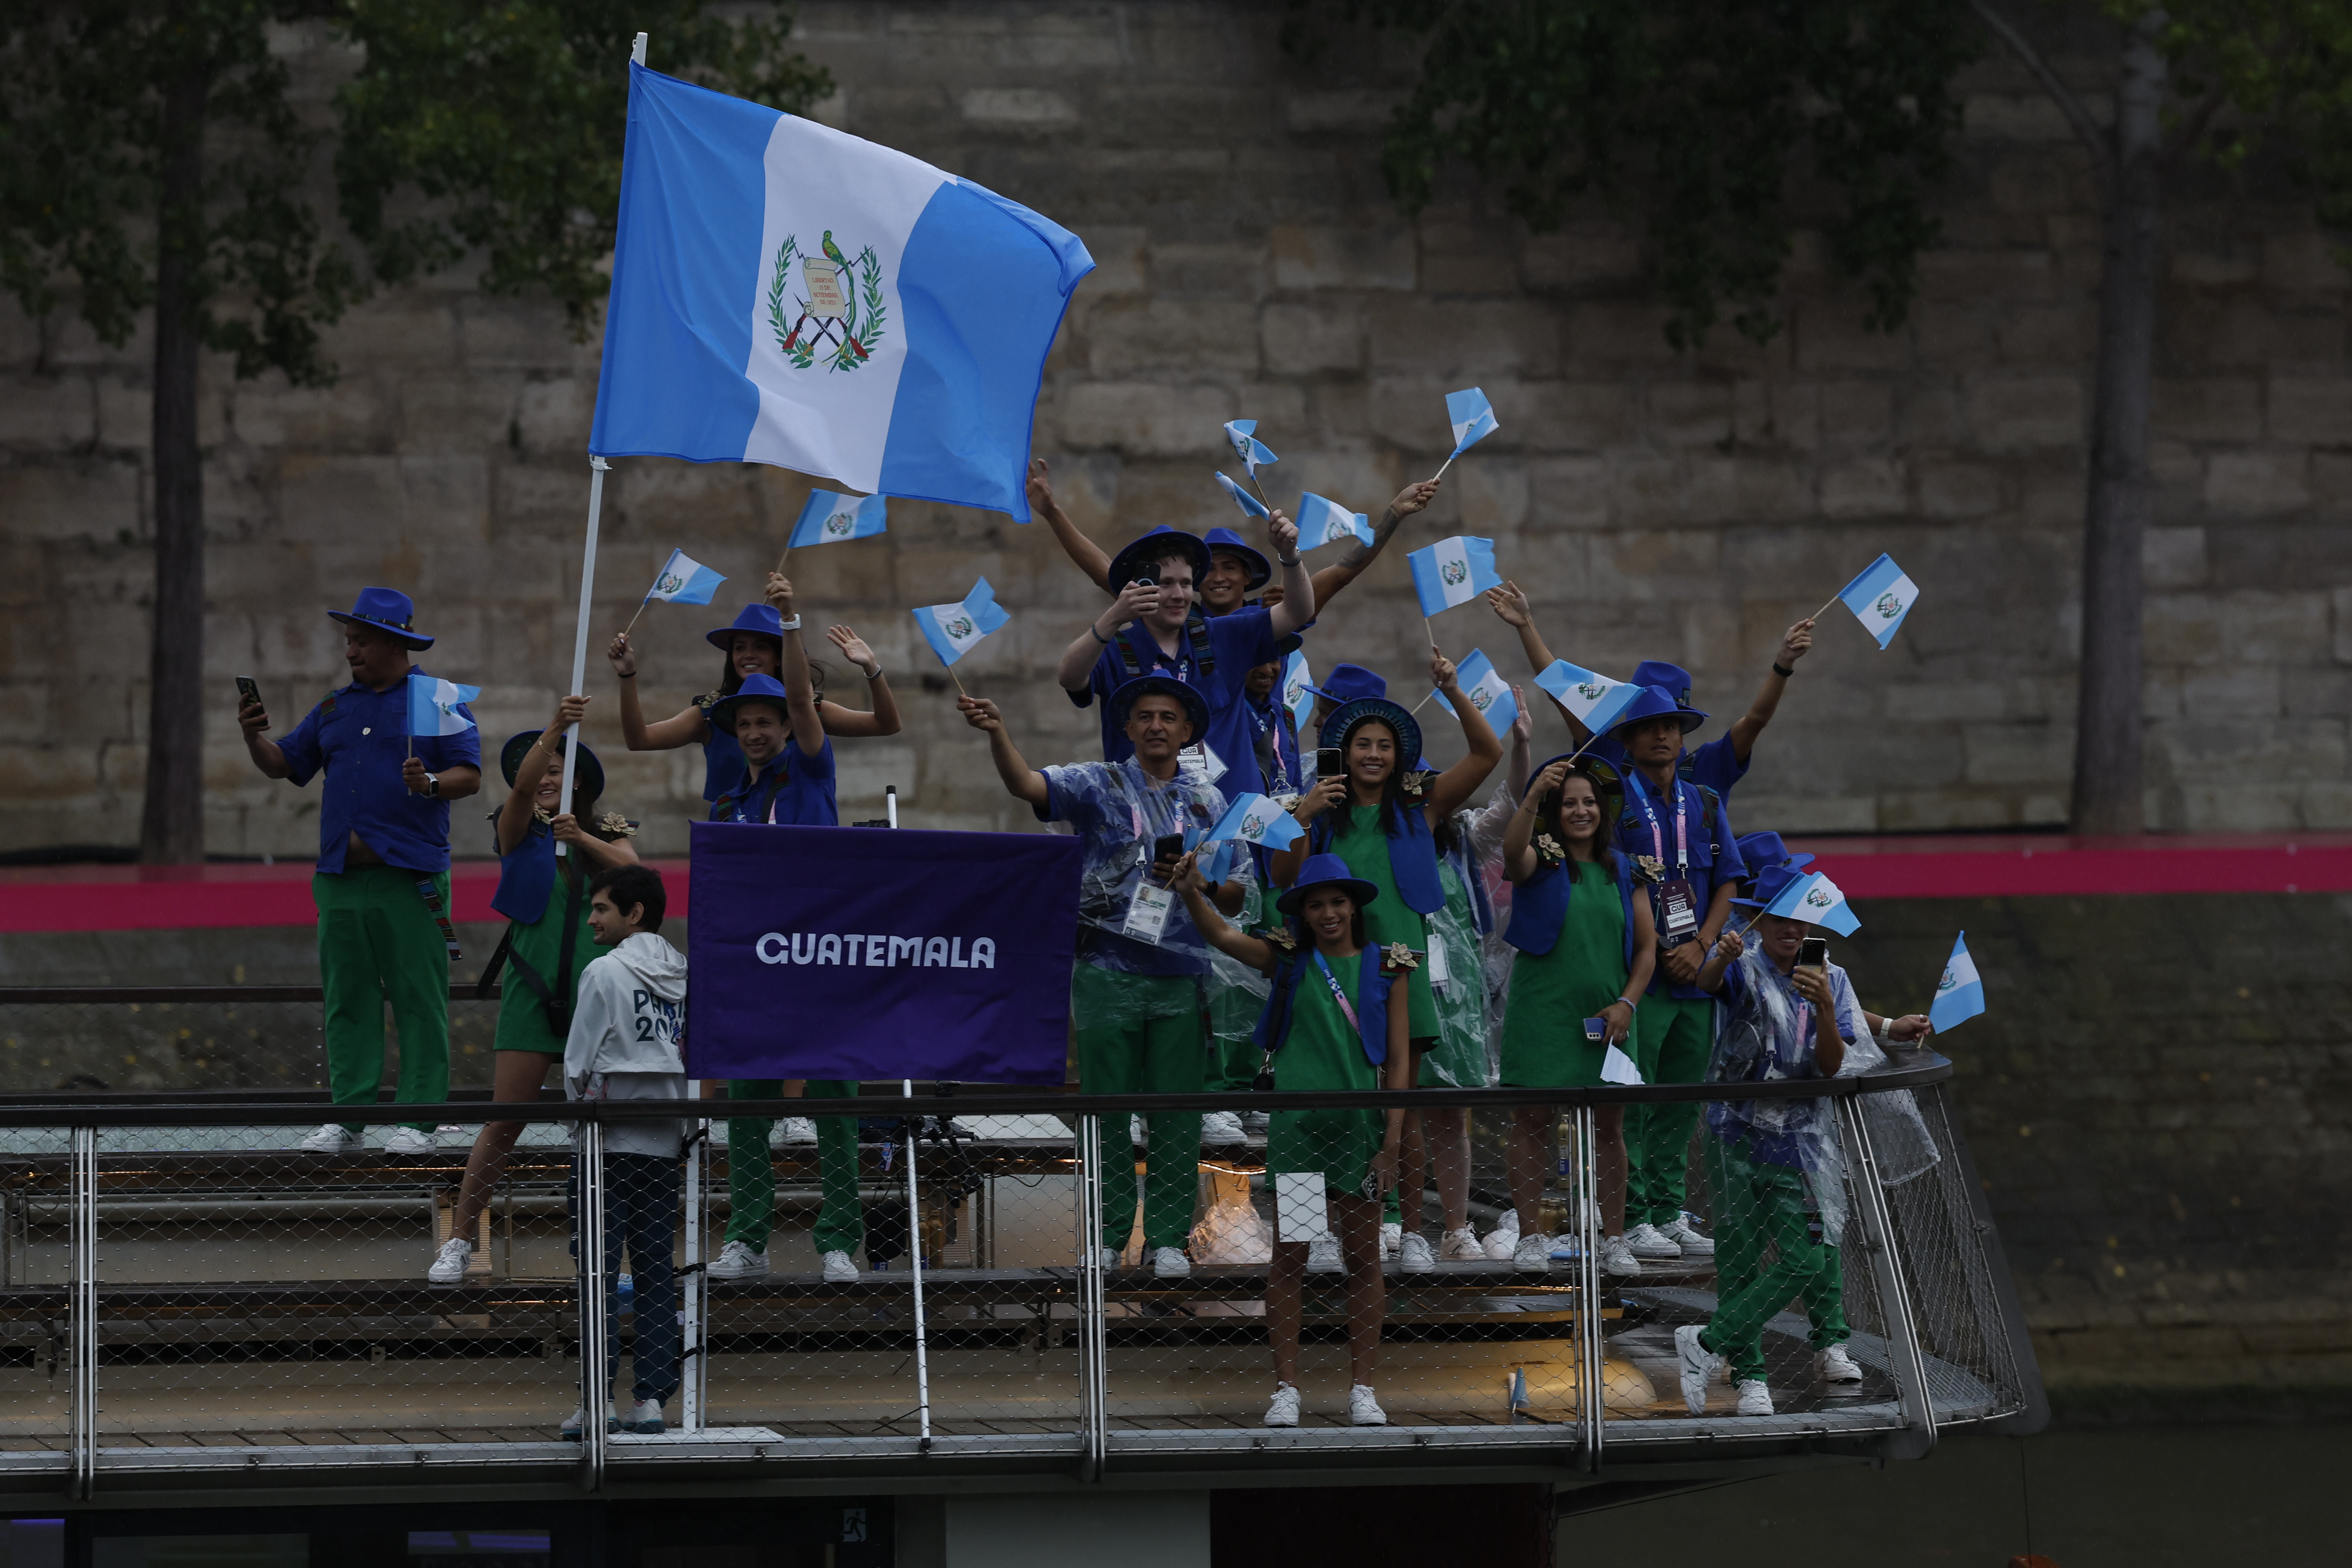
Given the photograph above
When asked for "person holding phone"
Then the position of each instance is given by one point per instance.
(1135, 988)
(383, 880)
(1377, 816)
(1585, 951)
(1775, 1167)
(1330, 1024)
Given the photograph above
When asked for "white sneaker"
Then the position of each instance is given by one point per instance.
(1503, 1239)
(449, 1264)
(1255, 1124)
(1391, 1236)
(1685, 1236)
(1413, 1256)
(791, 1131)
(1284, 1411)
(738, 1261)
(1461, 1247)
(1108, 1261)
(1696, 1363)
(1837, 1366)
(1616, 1258)
(1363, 1410)
(645, 1418)
(1170, 1263)
(1221, 1127)
(569, 1431)
(1646, 1242)
(409, 1140)
(838, 1268)
(1755, 1399)
(1139, 1131)
(334, 1138)
(1323, 1256)
(1532, 1255)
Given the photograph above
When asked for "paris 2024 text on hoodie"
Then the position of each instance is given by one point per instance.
(627, 1040)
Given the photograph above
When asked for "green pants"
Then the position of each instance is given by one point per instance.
(1233, 1055)
(1141, 1034)
(1671, 1042)
(378, 943)
(1757, 1206)
(752, 1180)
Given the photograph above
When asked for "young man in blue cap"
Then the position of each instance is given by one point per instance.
(1135, 991)
(1679, 840)
(383, 880)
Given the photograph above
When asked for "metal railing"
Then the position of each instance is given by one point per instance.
(187, 1294)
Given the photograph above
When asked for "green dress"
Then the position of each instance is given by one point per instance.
(1458, 1060)
(1363, 844)
(1324, 1052)
(522, 1018)
(1552, 993)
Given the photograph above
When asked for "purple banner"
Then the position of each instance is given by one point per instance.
(868, 952)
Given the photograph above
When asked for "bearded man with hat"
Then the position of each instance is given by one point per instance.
(382, 884)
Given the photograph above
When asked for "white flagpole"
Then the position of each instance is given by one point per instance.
(597, 469)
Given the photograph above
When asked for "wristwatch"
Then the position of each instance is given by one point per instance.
(792, 625)
(433, 786)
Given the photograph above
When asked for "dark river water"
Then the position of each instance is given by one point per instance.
(2217, 1497)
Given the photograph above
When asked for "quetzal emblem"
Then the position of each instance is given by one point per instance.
(842, 313)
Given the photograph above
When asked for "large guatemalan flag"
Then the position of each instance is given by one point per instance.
(785, 293)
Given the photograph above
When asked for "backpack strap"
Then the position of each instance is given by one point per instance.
(499, 956)
(1196, 628)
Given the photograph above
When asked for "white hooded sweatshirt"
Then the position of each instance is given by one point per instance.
(627, 1040)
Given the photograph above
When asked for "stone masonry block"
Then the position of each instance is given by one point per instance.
(1321, 257)
(2209, 408)
(2173, 558)
(1017, 108)
(1302, 338)
(47, 411)
(1870, 488)
(344, 498)
(353, 415)
(85, 498)
(1957, 489)
(1362, 109)
(1194, 334)
(2340, 616)
(1145, 419)
(2313, 412)
(2015, 413)
(2258, 484)
(1581, 256)
(1452, 340)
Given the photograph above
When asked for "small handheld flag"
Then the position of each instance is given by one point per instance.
(1250, 450)
(684, 580)
(1472, 418)
(952, 630)
(1816, 900)
(1256, 819)
(1617, 1067)
(1243, 498)
(1488, 691)
(829, 520)
(1593, 701)
(1296, 678)
(1322, 522)
(434, 705)
(1452, 572)
(1880, 597)
(1959, 994)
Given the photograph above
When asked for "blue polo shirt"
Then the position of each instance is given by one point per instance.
(1238, 642)
(361, 738)
(1703, 850)
(793, 787)
(1716, 765)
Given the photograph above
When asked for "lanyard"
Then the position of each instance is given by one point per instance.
(1337, 994)
(1657, 834)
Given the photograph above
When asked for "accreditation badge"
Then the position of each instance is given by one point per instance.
(1438, 971)
(1147, 913)
(1676, 906)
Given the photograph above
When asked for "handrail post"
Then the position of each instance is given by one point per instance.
(915, 1257)
(1092, 1343)
(694, 1336)
(588, 1181)
(1590, 1408)
(82, 1314)
(1886, 1272)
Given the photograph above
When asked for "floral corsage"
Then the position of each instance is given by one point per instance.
(1549, 851)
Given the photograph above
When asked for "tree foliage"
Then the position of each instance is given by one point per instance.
(1699, 114)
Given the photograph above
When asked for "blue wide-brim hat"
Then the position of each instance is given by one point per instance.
(1605, 779)
(1770, 884)
(1260, 569)
(760, 618)
(588, 786)
(1348, 717)
(1325, 871)
(1347, 682)
(386, 610)
(1656, 702)
(1674, 677)
(755, 688)
(1196, 707)
(1766, 850)
(1124, 566)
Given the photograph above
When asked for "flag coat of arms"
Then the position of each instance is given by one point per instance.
(1296, 678)
(952, 630)
(1880, 597)
(1488, 692)
(1452, 572)
(1322, 522)
(437, 706)
(828, 518)
(684, 581)
(1255, 819)
(1593, 700)
(1472, 416)
(1246, 445)
(1815, 899)
(1959, 994)
(786, 293)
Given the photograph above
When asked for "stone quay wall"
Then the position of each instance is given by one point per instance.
(1686, 506)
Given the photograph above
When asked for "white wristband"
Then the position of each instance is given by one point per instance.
(792, 625)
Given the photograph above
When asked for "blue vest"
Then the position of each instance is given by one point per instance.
(1539, 908)
(527, 877)
(723, 763)
(1273, 1030)
(1414, 869)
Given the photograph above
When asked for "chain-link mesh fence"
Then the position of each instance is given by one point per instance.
(36, 1274)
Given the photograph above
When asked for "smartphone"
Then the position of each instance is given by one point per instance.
(1146, 582)
(1168, 847)
(1331, 762)
(1596, 1030)
(247, 691)
(1813, 953)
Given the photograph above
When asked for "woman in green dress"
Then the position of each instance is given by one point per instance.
(1586, 947)
(544, 896)
(1329, 1025)
(1376, 814)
